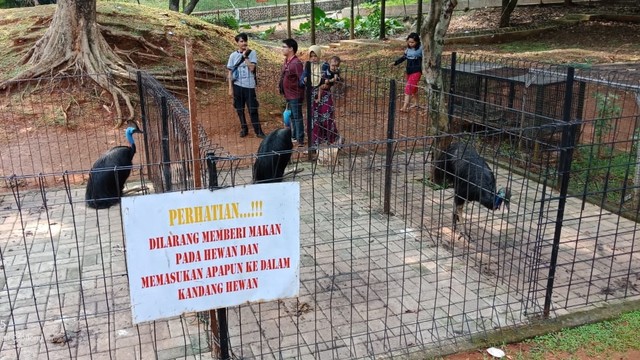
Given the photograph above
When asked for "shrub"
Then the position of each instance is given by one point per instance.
(228, 21)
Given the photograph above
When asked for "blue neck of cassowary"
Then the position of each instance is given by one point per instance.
(129, 134)
(500, 198)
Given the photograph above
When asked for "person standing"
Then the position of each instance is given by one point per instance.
(330, 76)
(322, 108)
(413, 55)
(242, 84)
(290, 88)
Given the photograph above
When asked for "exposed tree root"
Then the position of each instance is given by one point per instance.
(75, 45)
(146, 44)
(47, 58)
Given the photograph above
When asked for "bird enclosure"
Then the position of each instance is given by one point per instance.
(383, 273)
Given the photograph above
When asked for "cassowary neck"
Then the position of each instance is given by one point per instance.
(129, 135)
(497, 202)
(132, 144)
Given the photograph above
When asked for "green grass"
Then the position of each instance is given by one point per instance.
(620, 335)
(525, 46)
(598, 341)
(590, 172)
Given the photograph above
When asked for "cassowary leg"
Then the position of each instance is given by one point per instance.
(457, 214)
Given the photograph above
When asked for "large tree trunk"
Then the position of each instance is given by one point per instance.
(432, 36)
(507, 9)
(383, 11)
(174, 5)
(73, 44)
(190, 7)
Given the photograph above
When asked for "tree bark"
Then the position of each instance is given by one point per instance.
(312, 21)
(383, 31)
(174, 5)
(190, 7)
(432, 36)
(507, 8)
(73, 44)
(420, 17)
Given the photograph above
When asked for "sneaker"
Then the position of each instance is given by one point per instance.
(243, 133)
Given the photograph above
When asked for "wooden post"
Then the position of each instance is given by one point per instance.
(193, 115)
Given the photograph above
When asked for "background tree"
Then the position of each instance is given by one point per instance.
(174, 5)
(383, 31)
(419, 18)
(505, 16)
(432, 37)
(352, 21)
(313, 23)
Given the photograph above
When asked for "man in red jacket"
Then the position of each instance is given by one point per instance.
(290, 87)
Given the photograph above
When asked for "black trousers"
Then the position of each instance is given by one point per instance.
(246, 96)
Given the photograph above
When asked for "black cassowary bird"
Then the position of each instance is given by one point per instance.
(105, 185)
(462, 167)
(274, 154)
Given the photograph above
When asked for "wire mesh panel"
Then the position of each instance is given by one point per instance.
(167, 139)
(372, 283)
(65, 287)
(47, 123)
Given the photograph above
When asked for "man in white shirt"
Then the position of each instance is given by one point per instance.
(242, 84)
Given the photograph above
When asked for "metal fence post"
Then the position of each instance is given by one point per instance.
(166, 157)
(564, 172)
(143, 119)
(308, 91)
(452, 86)
(213, 170)
(390, 144)
(218, 318)
(224, 334)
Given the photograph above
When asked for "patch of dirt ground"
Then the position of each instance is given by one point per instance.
(602, 41)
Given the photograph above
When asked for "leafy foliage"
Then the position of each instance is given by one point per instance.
(368, 26)
(598, 176)
(227, 21)
(264, 35)
(599, 167)
(607, 109)
(323, 23)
